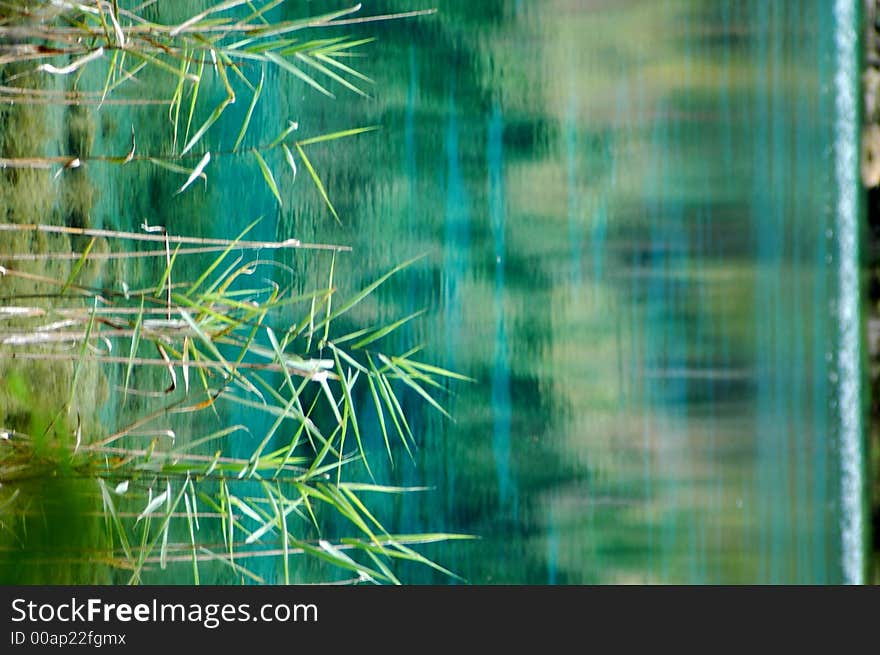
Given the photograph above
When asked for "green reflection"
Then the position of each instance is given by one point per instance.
(629, 212)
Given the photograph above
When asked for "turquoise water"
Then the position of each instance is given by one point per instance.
(643, 250)
(641, 227)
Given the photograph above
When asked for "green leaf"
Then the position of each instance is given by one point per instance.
(381, 415)
(132, 352)
(292, 126)
(194, 96)
(196, 172)
(250, 111)
(207, 124)
(267, 175)
(75, 271)
(379, 488)
(190, 22)
(166, 273)
(317, 181)
(407, 379)
(352, 414)
(366, 291)
(347, 69)
(293, 69)
(388, 329)
(390, 403)
(337, 135)
(289, 157)
(436, 370)
(329, 73)
(219, 259)
(172, 167)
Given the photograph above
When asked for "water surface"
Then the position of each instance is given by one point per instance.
(634, 214)
(641, 245)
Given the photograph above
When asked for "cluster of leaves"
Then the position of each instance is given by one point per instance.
(193, 500)
(232, 42)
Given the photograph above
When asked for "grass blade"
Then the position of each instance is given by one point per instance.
(352, 415)
(381, 416)
(190, 22)
(132, 352)
(412, 384)
(347, 69)
(317, 181)
(75, 271)
(337, 135)
(153, 505)
(218, 111)
(196, 172)
(289, 157)
(250, 110)
(331, 74)
(388, 329)
(267, 175)
(292, 126)
(294, 70)
(370, 288)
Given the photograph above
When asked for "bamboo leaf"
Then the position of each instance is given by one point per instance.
(317, 181)
(347, 69)
(366, 291)
(194, 96)
(381, 415)
(192, 536)
(352, 415)
(436, 370)
(294, 70)
(292, 126)
(153, 505)
(289, 157)
(329, 73)
(250, 110)
(207, 124)
(158, 63)
(407, 380)
(132, 353)
(114, 516)
(388, 329)
(337, 135)
(379, 488)
(219, 259)
(75, 271)
(190, 22)
(196, 172)
(173, 167)
(73, 66)
(267, 175)
(390, 404)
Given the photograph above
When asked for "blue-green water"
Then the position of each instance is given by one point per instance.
(634, 212)
(641, 222)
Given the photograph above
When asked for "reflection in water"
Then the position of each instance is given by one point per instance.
(500, 382)
(456, 249)
(628, 247)
(639, 249)
(631, 258)
(574, 208)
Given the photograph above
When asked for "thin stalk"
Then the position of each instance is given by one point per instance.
(137, 236)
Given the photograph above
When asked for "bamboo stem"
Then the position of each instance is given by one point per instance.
(146, 361)
(137, 236)
(133, 254)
